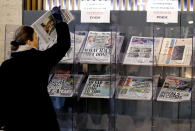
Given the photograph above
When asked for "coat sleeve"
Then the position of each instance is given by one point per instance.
(54, 54)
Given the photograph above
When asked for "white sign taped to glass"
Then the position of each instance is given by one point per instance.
(162, 11)
(95, 11)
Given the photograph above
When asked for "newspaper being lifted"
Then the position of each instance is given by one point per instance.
(100, 46)
(45, 26)
(77, 40)
(176, 52)
(64, 85)
(98, 86)
(140, 50)
(175, 89)
(136, 88)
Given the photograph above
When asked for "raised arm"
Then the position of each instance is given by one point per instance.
(54, 54)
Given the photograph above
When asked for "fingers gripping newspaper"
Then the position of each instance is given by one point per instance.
(45, 26)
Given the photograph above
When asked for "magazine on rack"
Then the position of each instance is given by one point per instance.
(175, 89)
(45, 26)
(77, 39)
(98, 86)
(140, 50)
(100, 46)
(136, 88)
(176, 52)
(64, 85)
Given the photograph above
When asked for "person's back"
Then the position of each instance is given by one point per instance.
(25, 102)
(26, 94)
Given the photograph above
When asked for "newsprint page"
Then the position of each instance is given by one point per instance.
(45, 26)
(175, 89)
(99, 86)
(140, 50)
(176, 52)
(64, 85)
(100, 46)
(136, 88)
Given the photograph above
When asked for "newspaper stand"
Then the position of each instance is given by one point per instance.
(174, 115)
(133, 113)
(77, 113)
(95, 112)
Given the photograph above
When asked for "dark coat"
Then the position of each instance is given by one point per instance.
(24, 101)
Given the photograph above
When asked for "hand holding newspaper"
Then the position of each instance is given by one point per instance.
(45, 26)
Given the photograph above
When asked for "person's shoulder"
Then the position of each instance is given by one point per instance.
(6, 63)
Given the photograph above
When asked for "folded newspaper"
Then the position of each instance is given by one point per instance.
(176, 52)
(136, 88)
(175, 89)
(100, 47)
(45, 26)
(64, 85)
(143, 50)
(99, 86)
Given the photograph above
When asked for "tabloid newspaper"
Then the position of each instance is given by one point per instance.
(136, 88)
(98, 86)
(64, 85)
(175, 89)
(45, 26)
(176, 52)
(100, 46)
(77, 40)
(140, 50)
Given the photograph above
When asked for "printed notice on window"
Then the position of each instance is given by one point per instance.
(95, 11)
(162, 11)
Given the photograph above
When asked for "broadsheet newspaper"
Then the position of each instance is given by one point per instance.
(140, 50)
(176, 52)
(99, 86)
(100, 46)
(77, 40)
(64, 85)
(136, 88)
(175, 89)
(45, 26)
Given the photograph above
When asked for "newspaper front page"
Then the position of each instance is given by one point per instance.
(100, 46)
(136, 88)
(64, 85)
(175, 89)
(98, 86)
(45, 26)
(140, 50)
(176, 52)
